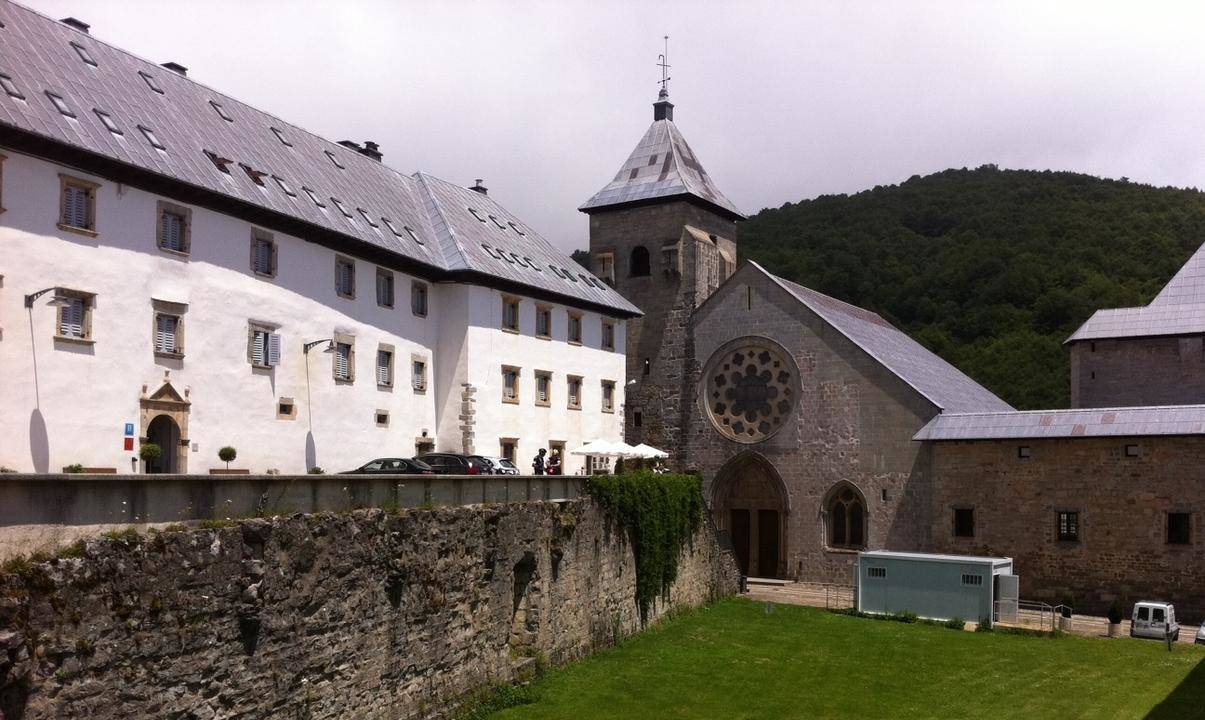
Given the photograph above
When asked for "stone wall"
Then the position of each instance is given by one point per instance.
(1138, 371)
(1122, 503)
(367, 614)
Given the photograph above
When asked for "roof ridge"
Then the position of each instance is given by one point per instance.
(443, 218)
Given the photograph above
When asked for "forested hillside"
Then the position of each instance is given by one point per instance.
(992, 269)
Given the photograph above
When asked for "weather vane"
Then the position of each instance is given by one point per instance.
(663, 63)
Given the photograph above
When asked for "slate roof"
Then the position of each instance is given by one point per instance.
(301, 176)
(937, 380)
(1093, 422)
(661, 166)
(1178, 309)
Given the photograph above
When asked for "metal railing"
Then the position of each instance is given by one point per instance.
(839, 597)
(1032, 614)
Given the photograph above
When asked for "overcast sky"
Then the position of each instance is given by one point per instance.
(780, 101)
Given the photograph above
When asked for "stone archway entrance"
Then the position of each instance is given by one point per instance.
(750, 503)
(164, 432)
(164, 421)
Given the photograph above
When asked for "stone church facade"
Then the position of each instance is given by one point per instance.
(821, 430)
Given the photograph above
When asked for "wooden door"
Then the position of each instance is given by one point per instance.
(767, 543)
(738, 529)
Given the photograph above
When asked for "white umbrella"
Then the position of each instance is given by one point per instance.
(602, 448)
(648, 451)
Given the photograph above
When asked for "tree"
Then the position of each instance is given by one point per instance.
(227, 455)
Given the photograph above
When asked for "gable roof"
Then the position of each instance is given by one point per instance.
(1178, 309)
(938, 381)
(276, 171)
(662, 166)
(1089, 422)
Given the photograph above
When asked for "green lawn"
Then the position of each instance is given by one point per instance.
(736, 660)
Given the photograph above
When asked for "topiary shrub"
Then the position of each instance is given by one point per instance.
(150, 451)
(227, 455)
(1116, 612)
(660, 514)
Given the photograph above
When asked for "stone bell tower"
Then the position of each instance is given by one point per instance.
(664, 236)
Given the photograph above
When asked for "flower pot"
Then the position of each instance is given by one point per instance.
(1114, 629)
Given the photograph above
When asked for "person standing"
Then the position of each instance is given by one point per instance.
(554, 463)
(537, 463)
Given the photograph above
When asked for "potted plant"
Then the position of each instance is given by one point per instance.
(1116, 614)
(149, 452)
(227, 455)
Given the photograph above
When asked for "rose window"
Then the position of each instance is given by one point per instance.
(750, 390)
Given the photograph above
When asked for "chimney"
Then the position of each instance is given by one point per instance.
(76, 24)
(175, 67)
(372, 150)
(480, 188)
(351, 145)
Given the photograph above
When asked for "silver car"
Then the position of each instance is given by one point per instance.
(500, 466)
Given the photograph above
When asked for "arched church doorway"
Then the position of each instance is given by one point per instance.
(750, 503)
(164, 432)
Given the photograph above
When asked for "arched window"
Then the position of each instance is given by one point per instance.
(638, 266)
(846, 519)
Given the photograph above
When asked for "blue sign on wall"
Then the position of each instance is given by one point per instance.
(129, 429)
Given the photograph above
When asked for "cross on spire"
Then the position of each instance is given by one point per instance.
(663, 63)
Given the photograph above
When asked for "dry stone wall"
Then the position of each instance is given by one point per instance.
(365, 614)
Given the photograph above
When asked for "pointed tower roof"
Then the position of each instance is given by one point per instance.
(661, 167)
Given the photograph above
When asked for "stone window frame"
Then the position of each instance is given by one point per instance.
(350, 342)
(163, 207)
(544, 311)
(546, 376)
(291, 414)
(849, 497)
(387, 275)
(570, 395)
(510, 302)
(268, 329)
(350, 293)
(391, 370)
(1167, 528)
(258, 235)
(420, 298)
(640, 262)
(377, 416)
(511, 398)
(514, 448)
(89, 304)
(608, 406)
(637, 418)
(1072, 533)
(168, 308)
(3, 157)
(1132, 450)
(1024, 452)
(569, 334)
(607, 337)
(604, 261)
(90, 187)
(954, 510)
(419, 387)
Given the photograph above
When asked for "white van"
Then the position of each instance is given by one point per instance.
(1154, 620)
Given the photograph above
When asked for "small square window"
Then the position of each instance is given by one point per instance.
(608, 335)
(221, 111)
(575, 328)
(150, 137)
(1024, 452)
(107, 120)
(60, 104)
(1132, 451)
(964, 522)
(876, 572)
(382, 417)
(384, 288)
(972, 580)
(10, 87)
(1179, 528)
(418, 298)
(574, 387)
(345, 277)
(263, 254)
(1067, 525)
(510, 384)
(150, 81)
(543, 322)
(286, 409)
(510, 314)
(608, 396)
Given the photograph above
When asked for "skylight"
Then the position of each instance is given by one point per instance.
(313, 196)
(489, 249)
(257, 176)
(342, 209)
(532, 264)
(367, 219)
(281, 137)
(150, 81)
(218, 161)
(60, 104)
(108, 121)
(476, 214)
(83, 54)
(515, 227)
(496, 222)
(284, 186)
(150, 137)
(9, 87)
(221, 111)
(413, 235)
(392, 228)
(334, 159)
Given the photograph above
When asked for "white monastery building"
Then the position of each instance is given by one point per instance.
(178, 267)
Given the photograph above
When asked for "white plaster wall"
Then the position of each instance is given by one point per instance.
(85, 395)
(74, 407)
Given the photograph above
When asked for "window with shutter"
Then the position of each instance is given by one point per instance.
(575, 393)
(608, 396)
(384, 288)
(166, 331)
(263, 255)
(510, 384)
(543, 387)
(71, 318)
(273, 349)
(510, 314)
(75, 207)
(171, 232)
(342, 361)
(418, 298)
(345, 277)
(543, 322)
(384, 367)
(575, 328)
(608, 335)
(259, 348)
(418, 372)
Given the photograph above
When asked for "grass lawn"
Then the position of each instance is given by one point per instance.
(735, 660)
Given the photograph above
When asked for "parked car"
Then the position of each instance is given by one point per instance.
(455, 463)
(392, 466)
(1200, 639)
(498, 466)
(1154, 620)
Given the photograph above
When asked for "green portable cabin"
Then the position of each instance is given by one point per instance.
(939, 587)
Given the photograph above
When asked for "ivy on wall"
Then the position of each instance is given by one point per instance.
(660, 514)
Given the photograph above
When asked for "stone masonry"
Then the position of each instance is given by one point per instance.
(1138, 371)
(367, 614)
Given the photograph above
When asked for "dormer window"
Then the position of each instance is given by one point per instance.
(516, 228)
(313, 196)
(150, 81)
(257, 176)
(60, 104)
(367, 218)
(476, 214)
(10, 87)
(150, 137)
(497, 222)
(330, 155)
(221, 111)
(531, 264)
(107, 120)
(83, 54)
(281, 137)
(413, 235)
(392, 228)
(218, 161)
(342, 209)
